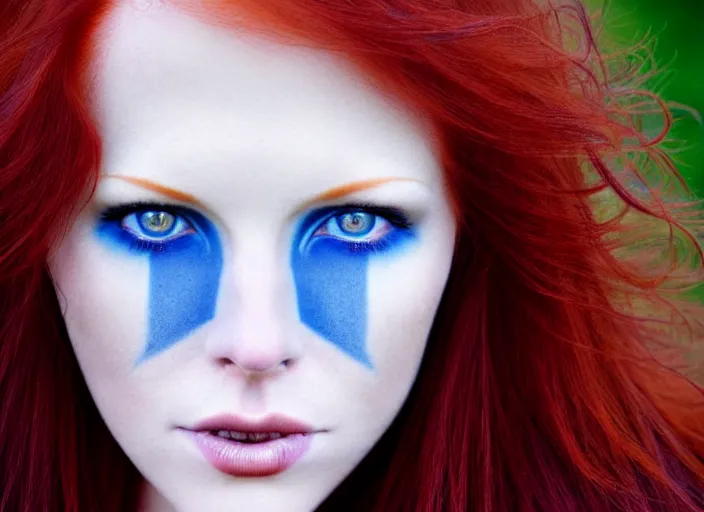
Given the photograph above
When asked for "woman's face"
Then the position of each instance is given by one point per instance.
(250, 290)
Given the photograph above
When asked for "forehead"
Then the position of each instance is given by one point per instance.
(190, 102)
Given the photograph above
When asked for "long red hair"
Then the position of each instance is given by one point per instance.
(553, 380)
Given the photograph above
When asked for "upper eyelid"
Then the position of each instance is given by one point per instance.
(120, 211)
(379, 209)
(179, 208)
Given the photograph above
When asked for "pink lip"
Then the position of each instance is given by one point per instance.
(252, 459)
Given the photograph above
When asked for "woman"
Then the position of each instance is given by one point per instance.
(325, 255)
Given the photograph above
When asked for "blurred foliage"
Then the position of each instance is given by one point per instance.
(675, 33)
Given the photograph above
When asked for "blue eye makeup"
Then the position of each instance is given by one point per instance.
(185, 263)
(331, 254)
(331, 251)
(145, 227)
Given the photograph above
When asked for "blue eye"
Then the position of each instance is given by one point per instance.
(144, 227)
(156, 226)
(355, 228)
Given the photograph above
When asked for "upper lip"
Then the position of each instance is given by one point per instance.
(273, 423)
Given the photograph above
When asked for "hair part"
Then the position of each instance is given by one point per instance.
(553, 378)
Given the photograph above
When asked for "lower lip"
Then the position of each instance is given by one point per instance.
(253, 459)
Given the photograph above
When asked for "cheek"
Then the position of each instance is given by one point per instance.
(402, 297)
(104, 300)
(402, 303)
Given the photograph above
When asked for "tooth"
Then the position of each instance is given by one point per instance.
(238, 436)
(275, 435)
(224, 433)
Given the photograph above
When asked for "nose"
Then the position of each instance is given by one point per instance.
(256, 346)
(255, 333)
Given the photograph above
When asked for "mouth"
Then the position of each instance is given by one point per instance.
(249, 437)
(243, 448)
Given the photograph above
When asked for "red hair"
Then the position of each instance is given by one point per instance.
(545, 385)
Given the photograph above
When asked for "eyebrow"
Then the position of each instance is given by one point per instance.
(160, 189)
(327, 195)
(351, 188)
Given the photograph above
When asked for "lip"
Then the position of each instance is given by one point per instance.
(274, 423)
(246, 459)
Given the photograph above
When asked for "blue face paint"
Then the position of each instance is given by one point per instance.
(185, 263)
(330, 258)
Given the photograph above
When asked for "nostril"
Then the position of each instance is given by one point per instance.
(257, 366)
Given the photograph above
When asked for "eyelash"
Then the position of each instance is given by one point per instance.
(396, 217)
(117, 215)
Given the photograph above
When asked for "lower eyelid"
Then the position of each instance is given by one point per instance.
(180, 234)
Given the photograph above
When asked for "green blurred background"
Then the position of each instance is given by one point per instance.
(678, 30)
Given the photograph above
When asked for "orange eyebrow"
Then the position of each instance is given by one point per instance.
(161, 189)
(350, 188)
(328, 195)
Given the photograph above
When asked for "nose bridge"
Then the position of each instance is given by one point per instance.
(257, 305)
(261, 276)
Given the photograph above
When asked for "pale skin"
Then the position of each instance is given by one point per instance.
(254, 137)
